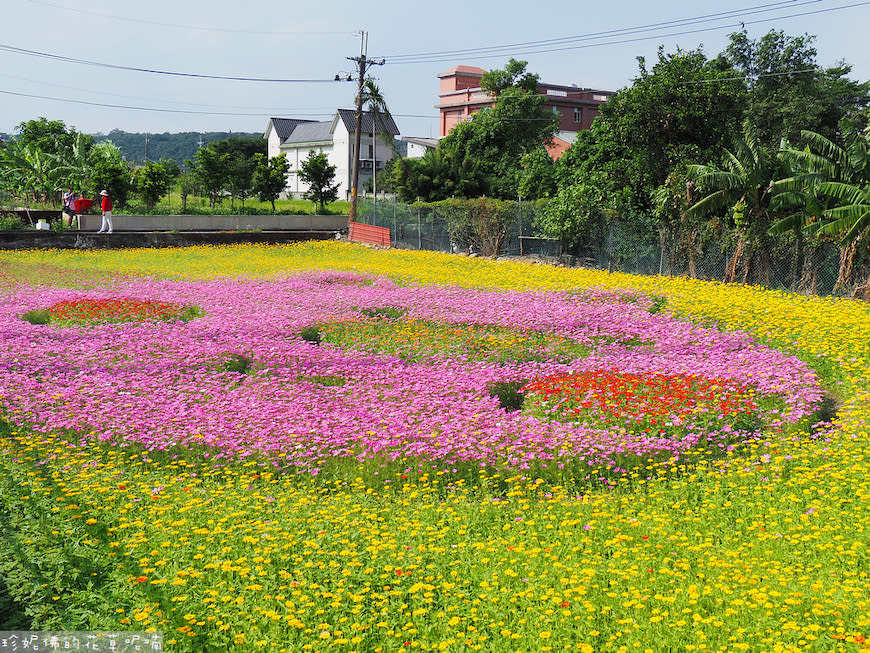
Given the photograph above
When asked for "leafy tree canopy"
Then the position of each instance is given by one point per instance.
(513, 75)
(788, 91)
(320, 177)
(270, 177)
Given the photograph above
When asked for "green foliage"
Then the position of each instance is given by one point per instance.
(492, 143)
(241, 161)
(742, 185)
(10, 222)
(483, 156)
(576, 214)
(513, 75)
(37, 316)
(435, 176)
(236, 363)
(481, 224)
(781, 105)
(385, 312)
(509, 393)
(672, 114)
(152, 183)
(50, 136)
(537, 178)
(320, 177)
(110, 172)
(178, 147)
(270, 177)
(210, 170)
(311, 334)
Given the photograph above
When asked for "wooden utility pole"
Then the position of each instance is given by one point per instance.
(363, 63)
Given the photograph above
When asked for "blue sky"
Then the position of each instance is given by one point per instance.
(579, 43)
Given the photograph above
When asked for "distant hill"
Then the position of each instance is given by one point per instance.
(179, 146)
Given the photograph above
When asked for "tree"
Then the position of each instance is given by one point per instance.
(319, 175)
(152, 182)
(788, 91)
(574, 215)
(492, 143)
(684, 109)
(437, 176)
(481, 223)
(30, 173)
(270, 177)
(210, 169)
(513, 75)
(537, 178)
(742, 187)
(50, 136)
(110, 172)
(370, 98)
(240, 164)
(187, 185)
(77, 161)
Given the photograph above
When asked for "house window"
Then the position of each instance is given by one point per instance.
(555, 110)
(371, 152)
(578, 114)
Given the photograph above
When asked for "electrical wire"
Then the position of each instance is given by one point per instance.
(608, 33)
(57, 57)
(326, 114)
(188, 27)
(506, 50)
(140, 108)
(201, 105)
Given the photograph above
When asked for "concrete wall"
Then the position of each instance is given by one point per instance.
(219, 222)
(71, 239)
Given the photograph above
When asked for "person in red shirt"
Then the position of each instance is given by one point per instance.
(106, 206)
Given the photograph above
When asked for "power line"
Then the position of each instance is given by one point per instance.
(187, 27)
(107, 94)
(141, 108)
(607, 33)
(57, 57)
(542, 47)
(325, 114)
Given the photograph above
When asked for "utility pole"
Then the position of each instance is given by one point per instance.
(363, 63)
(146, 148)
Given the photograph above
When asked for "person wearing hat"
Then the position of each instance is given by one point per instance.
(106, 206)
(69, 207)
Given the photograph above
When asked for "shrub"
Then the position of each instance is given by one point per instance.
(311, 334)
(238, 363)
(324, 379)
(10, 222)
(386, 312)
(37, 316)
(658, 304)
(509, 393)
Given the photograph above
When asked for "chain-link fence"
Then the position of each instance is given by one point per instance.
(785, 264)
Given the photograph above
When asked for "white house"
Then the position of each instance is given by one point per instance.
(296, 138)
(411, 147)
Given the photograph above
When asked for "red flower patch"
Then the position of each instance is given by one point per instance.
(112, 310)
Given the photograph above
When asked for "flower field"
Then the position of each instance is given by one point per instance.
(329, 447)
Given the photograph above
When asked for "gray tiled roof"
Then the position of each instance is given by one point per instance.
(285, 126)
(348, 117)
(310, 132)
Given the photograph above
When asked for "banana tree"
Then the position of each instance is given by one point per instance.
(833, 188)
(741, 186)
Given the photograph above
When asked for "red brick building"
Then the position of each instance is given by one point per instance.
(460, 96)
